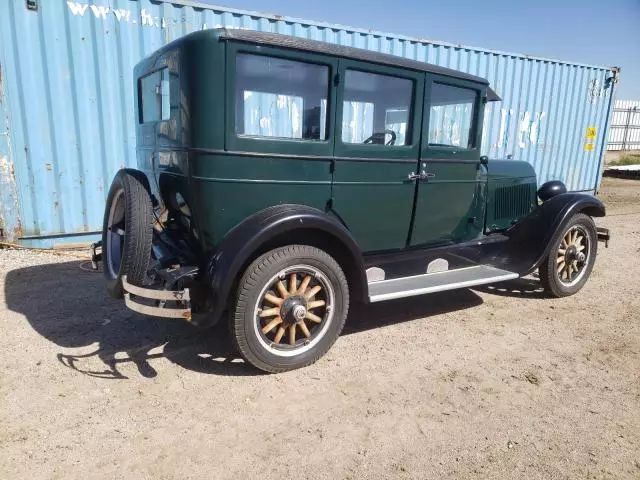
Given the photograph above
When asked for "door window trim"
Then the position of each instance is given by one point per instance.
(452, 152)
(358, 150)
(276, 145)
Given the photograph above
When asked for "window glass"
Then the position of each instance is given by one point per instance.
(451, 117)
(376, 109)
(281, 98)
(154, 91)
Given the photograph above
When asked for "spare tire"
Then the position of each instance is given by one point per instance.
(127, 232)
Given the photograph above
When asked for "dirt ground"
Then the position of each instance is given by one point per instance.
(497, 382)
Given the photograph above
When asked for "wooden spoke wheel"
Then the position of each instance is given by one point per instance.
(294, 309)
(571, 257)
(290, 308)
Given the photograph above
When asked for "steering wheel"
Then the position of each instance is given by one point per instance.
(378, 138)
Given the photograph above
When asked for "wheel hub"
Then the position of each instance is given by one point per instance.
(571, 254)
(293, 310)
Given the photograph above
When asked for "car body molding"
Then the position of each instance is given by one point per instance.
(255, 233)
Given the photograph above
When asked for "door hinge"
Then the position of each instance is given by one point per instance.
(336, 80)
(332, 166)
(33, 5)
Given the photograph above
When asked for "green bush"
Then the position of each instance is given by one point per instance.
(626, 160)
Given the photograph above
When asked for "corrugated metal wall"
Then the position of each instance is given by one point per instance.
(67, 102)
(624, 133)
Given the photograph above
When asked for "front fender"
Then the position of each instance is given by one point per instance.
(256, 234)
(530, 239)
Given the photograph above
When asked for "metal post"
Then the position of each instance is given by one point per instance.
(626, 129)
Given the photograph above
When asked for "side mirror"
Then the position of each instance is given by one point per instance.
(484, 160)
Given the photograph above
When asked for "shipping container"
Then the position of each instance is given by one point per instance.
(624, 132)
(67, 102)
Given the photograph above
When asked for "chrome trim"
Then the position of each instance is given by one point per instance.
(182, 295)
(375, 274)
(183, 313)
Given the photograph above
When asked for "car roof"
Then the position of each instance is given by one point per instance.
(287, 41)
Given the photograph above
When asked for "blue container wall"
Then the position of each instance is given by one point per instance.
(67, 102)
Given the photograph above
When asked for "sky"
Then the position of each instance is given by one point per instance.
(596, 32)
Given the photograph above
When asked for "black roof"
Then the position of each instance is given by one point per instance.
(287, 41)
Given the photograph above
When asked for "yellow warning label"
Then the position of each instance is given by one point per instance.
(591, 132)
(588, 147)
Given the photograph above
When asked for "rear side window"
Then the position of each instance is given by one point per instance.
(154, 96)
(452, 116)
(281, 98)
(376, 109)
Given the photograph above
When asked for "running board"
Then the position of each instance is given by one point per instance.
(436, 282)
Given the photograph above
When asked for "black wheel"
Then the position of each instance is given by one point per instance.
(291, 306)
(570, 261)
(127, 233)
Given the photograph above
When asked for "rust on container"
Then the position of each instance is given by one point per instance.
(10, 225)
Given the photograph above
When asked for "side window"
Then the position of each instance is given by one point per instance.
(452, 116)
(154, 96)
(281, 98)
(376, 109)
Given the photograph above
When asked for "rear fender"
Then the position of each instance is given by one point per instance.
(268, 229)
(530, 239)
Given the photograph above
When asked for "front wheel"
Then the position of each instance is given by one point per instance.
(291, 306)
(570, 261)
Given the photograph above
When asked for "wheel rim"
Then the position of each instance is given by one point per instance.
(573, 255)
(294, 310)
(115, 233)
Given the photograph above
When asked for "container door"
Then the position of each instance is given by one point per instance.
(450, 200)
(378, 121)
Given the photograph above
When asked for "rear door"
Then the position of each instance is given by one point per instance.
(450, 199)
(378, 121)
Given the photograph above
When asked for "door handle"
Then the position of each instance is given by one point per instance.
(421, 176)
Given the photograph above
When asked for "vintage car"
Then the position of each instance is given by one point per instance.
(281, 179)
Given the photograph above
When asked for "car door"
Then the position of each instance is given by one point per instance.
(378, 122)
(450, 198)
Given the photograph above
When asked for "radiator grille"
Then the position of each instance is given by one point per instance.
(512, 202)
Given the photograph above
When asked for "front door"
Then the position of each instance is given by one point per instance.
(378, 122)
(450, 196)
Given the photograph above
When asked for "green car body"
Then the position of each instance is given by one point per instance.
(280, 178)
(225, 177)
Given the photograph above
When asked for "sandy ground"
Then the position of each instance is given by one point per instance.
(497, 382)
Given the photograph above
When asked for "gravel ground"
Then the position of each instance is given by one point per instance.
(497, 382)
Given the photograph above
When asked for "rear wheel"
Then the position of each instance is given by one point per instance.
(127, 233)
(291, 307)
(570, 261)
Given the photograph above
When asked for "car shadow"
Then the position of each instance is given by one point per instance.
(67, 304)
(519, 288)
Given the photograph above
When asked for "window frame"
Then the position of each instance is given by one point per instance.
(381, 151)
(141, 120)
(461, 153)
(276, 145)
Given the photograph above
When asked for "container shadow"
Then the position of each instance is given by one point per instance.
(68, 305)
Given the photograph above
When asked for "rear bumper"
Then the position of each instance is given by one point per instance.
(157, 303)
